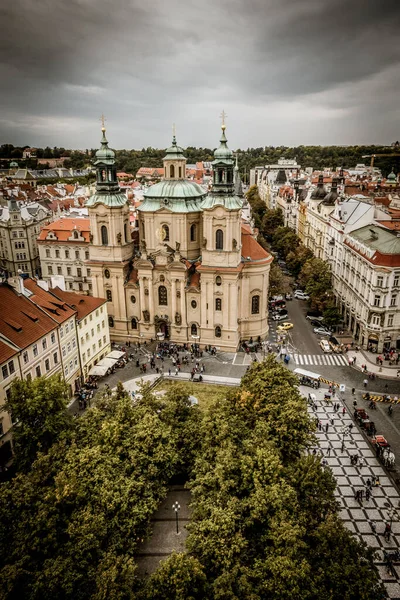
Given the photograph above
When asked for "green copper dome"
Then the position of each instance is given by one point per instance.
(104, 154)
(175, 189)
(111, 200)
(392, 178)
(223, 153)
(174, 152)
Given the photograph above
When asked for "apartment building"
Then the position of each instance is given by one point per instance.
(20, 224)
(63, 250)
(92, 327)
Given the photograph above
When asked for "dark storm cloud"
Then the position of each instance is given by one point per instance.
(286, 71)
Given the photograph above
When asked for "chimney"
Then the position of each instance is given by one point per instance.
(17, 283)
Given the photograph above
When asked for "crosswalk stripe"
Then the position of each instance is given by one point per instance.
(320, 360)
(301, 360)
(336, 359)
(310, 359)
(305, 359)
(296, 358)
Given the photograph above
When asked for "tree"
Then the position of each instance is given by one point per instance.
(285, 240)
(316, 277)
(272, 219)
(180, 577)
(297, 258)
(39, 409)
(332, 316)
(278, 282)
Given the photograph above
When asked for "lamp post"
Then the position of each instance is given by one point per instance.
(176, 507)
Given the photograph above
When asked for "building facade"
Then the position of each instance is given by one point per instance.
(63, 250)
(20, 225)
(200, 275)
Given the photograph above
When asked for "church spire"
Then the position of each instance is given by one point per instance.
(106, 180)
(174, 160)
(223, 165)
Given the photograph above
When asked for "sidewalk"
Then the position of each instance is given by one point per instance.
(368, 358)
(358, 516)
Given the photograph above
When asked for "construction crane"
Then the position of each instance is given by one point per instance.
(373, 156)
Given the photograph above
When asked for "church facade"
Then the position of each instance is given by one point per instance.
(199, 275)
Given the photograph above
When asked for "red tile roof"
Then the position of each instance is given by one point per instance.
(21, 321)
(251, 248)
(55, 308)
(63, 229)
(393, 225)
(6, 352)
(83, 305)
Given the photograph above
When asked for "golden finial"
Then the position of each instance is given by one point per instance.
(223, 117)
(103, 120)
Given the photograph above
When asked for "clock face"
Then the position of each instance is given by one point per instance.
(160, 233)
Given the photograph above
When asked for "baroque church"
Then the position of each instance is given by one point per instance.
(198, 276)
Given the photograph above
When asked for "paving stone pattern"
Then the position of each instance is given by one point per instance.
(359, 518)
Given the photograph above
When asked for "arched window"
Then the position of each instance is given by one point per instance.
(193, 329)
(165, 233)
(218, 304)
(126, 233)
(104, 235)
(255, 305)
(109, 295)
(218, 331)
(162, 296)
(172, 171)
(193, 233)
(180, 172)
(218, 280)
(143, 231)
(111, 321)
(133, 323)
(76, 234)
(219, 239)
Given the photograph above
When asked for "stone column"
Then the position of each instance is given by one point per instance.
(152, 290)
(173, 299)
(183, 303)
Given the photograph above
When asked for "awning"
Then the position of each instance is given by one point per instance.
(305, 373)
(97, 371)
(107, 362)
(115, 354)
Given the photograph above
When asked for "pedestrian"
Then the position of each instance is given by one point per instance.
(343, 410)
(315, 451)
(169, 372)
(343, 446)
(351, 427)
(319, 425)
(369, 485)
(326, 427)
(373, 526)
(365, 383)
(329, 451)
(387, 532)
(332, 421)
(367, 494)
(353, 391)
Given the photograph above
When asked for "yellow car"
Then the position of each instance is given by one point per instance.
(284, 327)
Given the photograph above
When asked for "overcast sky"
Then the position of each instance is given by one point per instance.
(285, 71)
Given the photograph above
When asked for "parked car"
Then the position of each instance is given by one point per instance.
(288, 297)
(284, 327)
(280, 316)
(301, 295)
(325, 346)
(314, 315)
(316, 323)
(321, 331)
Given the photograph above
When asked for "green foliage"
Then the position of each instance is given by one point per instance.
(69, 528)
(265, 521)
(180, 577)
(332, 316)
(39, 407)
(285, 241)
(258, 207)
(316, 277)
(297, 258)
(278, 282)
(272, 219)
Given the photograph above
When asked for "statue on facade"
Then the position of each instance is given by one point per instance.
(204, 242)
(143, 245)
(177, 246)
(234, 244)
(178, 319)
(146, 316)
(119, 237)
(91, 238)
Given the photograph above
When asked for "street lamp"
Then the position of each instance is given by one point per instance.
(176, 507)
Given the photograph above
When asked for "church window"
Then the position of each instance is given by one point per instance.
(76, 235)
(172, 171)
(218, 280)
(219, 239)
(218, 331)
(255, 305)
(110, 175)
(162, 296)
(104, 235)
(218, 304)
(133, 323)
(109, 295)
(126, 233)
(133, 299)
(107, 274)
(180, 172)
(111, 321)
(193, 329)
(143, 231)
(193, 233)
(103, 175)
(165, 233)
(194, 304)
